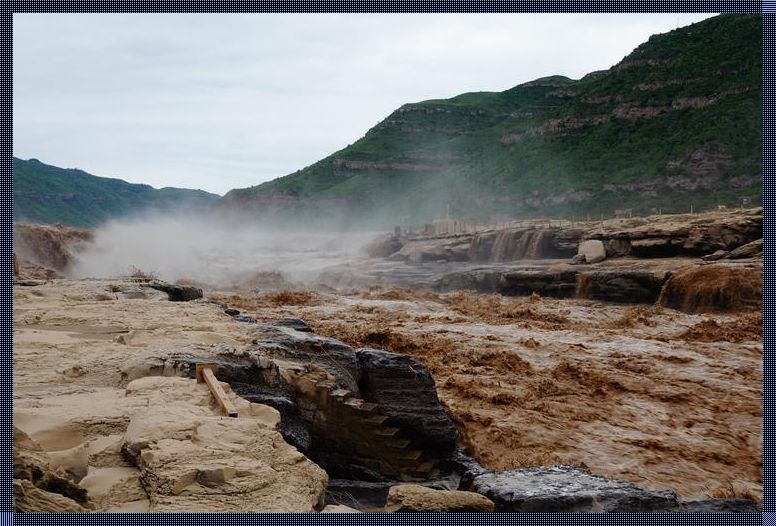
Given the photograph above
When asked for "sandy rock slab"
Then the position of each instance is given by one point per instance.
(192, 459)
(413, 497)
(37, 486)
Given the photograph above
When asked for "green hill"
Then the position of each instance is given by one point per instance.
(675, 123)
(47, 194)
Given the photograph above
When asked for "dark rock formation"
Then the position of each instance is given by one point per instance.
(545, 282)
(405, 391)
(294, 323)
(620, 286)
(567, 489)
(177, 292)
(719, 505)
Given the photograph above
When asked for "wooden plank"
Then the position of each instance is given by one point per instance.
(227, 408)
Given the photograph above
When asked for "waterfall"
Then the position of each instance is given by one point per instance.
(515, 245)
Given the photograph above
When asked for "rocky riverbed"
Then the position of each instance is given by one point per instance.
(104, 391)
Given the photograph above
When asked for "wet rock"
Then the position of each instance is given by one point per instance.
(719, 505)
(405, 391)
(332, 355)
(719, 254)
(371, 495)
(412, 497)
(567, 489)
(593, 250)
(294, 323)
(177, 292)
(579, 259)
(545, 282)
(620, 286)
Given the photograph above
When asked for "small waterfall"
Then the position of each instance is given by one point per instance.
(534, 248)
(584, 281)
(515, 245)
(501, 246)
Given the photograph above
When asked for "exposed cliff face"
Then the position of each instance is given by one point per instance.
(647, 237)
(556, 145)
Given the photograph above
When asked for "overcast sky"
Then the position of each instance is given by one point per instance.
(227, 101)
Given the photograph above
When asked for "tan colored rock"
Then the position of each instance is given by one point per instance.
(412, 497)
(192, 459)
(74, 461)
(37, 487)
(593, 250)
(29, 498)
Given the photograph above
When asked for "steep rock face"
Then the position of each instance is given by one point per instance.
(682, 235)
(406, 392)
(361, 414)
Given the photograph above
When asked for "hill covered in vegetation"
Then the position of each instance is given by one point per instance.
(47, 194)
(675, 123)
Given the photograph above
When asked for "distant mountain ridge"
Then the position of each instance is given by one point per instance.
(44, 193)
(674, 124)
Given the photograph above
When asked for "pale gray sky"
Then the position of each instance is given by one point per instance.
(216, 101)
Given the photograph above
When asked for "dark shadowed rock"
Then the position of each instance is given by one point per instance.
(567, 489)
(334, 356)
(293, 323)
(620, 286)
(719, 505)
(177, 292)
(406, 393)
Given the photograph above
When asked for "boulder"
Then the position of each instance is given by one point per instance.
(567, 489)
(593, 250)
(177, 292)
(412, 497)
(750, 250)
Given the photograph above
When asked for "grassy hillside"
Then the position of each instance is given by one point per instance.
(48, 194)
(677, 122)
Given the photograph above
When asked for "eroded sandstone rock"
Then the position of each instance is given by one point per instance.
(412, 497)
(192, 459)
